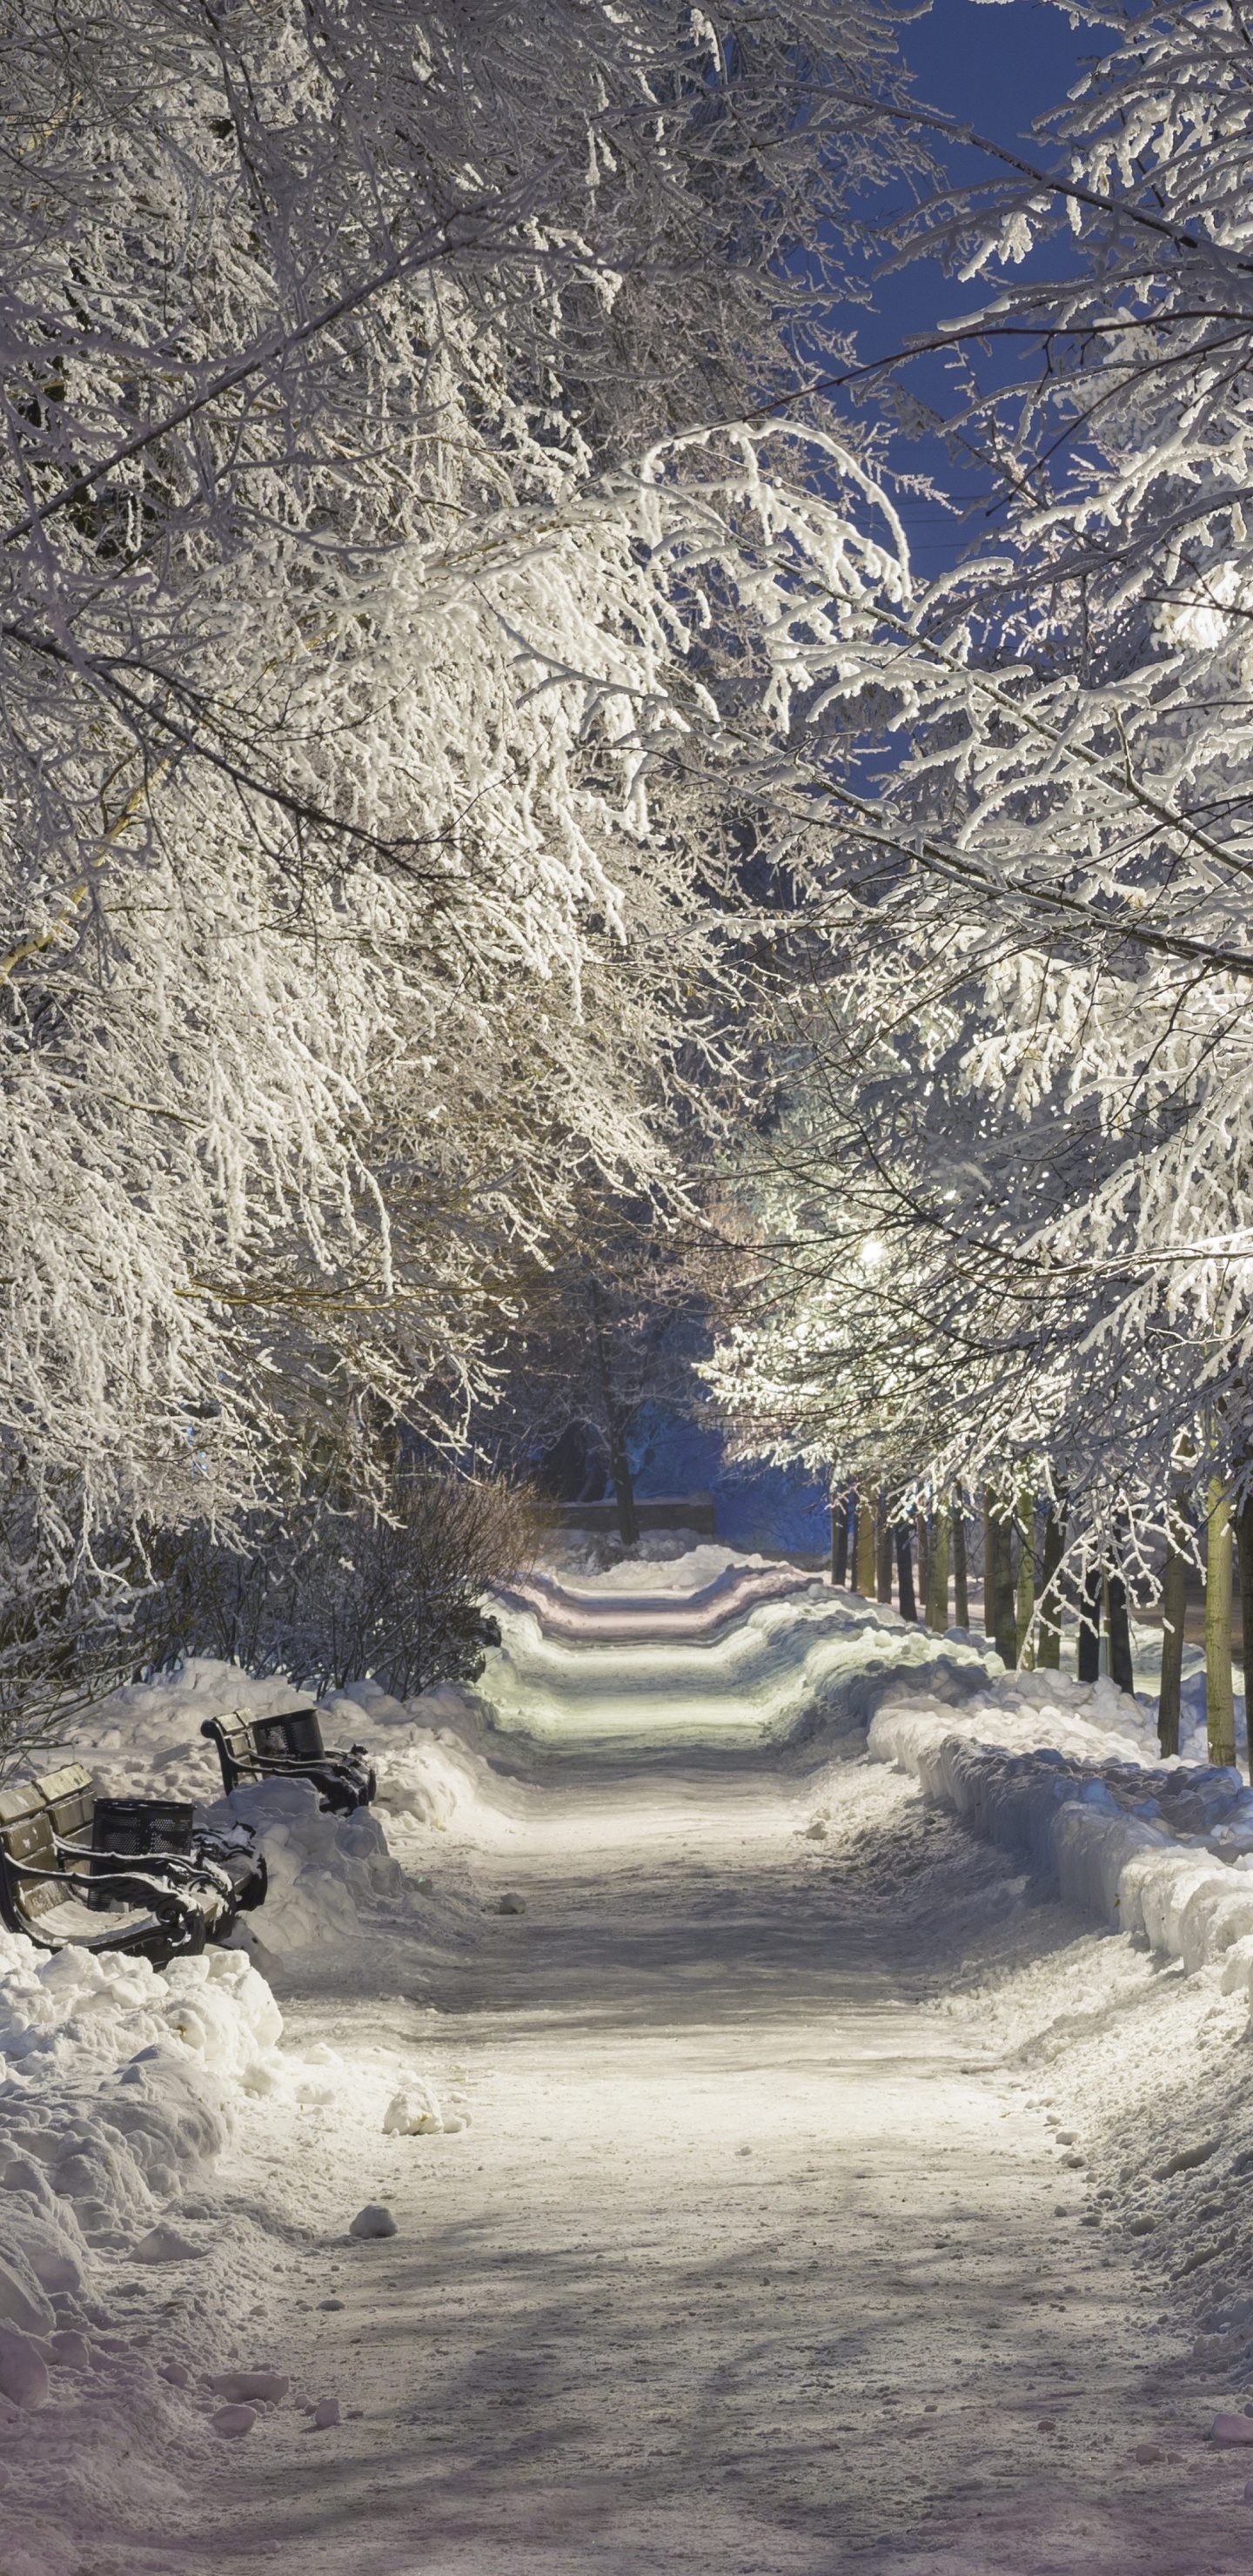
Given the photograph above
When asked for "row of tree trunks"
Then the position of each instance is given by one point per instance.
(937, 1573)
(1174, 1599)
(878, 1538)
(1026, 1627)
(839, 1539)
(864, 1573)
(1121, 1669)
(961, 1593)
(1024, 1599)
(1242, 1523)
(905, 1574)
(883, 1552)
(880, 1541)
(877, 1541)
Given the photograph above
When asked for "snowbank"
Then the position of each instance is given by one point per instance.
(119, 2086)
(433, 1774)
(1071, 1774)
(670, 1561)
(601, 1554)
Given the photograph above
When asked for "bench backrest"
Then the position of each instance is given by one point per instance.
(136, 1826)
(32, 1814)
(295, 1736)
(71, 1800)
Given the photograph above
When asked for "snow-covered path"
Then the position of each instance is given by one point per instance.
(753, 2258)
(832, 2196)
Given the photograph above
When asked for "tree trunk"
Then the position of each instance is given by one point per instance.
(1121, 1669)
(615, 1425)
(937, 1572)
(1243, 1524)
(923, 1538)
(1174, 1602)
(989, 1552)
(1088, 1652)
(863, 1571)
(839, 1538)
(1220, 1716)
(905, 1572)
(623, 1489)
(1024, 1604)
(883, 1553)
(961, 1590)
(1048, 1653)
(998, 1580)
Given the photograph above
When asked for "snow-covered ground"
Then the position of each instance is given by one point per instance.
(783, 2177)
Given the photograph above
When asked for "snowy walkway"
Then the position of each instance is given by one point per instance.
(746, 2263)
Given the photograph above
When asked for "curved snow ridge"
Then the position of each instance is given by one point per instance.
(1160, 1851)
(601, 1616)
(814, 1663)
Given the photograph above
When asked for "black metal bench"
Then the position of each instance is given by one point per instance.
(289, 1747)
(164, 1832)
(130, 1874)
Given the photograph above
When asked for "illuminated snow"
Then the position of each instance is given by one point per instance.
(739, 2171)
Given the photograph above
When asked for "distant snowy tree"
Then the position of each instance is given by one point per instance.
(611, 1321)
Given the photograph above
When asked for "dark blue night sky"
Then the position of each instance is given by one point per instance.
(997, 68)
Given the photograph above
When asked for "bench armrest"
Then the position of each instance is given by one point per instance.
(284, 1766)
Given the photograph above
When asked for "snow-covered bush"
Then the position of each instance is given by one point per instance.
(64, 1627)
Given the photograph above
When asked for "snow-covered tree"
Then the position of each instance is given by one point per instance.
(1034, 924)
(354, 893)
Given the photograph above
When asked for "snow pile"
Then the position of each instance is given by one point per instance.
(145, 1741)
(75, 2007)
(432, 1773)
(598, 1552)
(120, 2084)
(322, 1869)
(675, 1561)
(416, 2111)
(1160, 1850)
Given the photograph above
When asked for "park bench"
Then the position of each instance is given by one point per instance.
(130, 1874)
(289, 1747)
